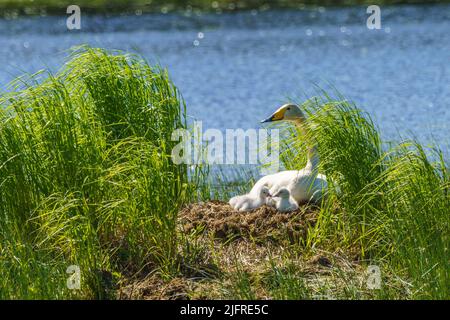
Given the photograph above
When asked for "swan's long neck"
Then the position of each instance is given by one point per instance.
(313, 160)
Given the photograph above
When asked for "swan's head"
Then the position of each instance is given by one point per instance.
(264, 192)
(282, 193)
(289, 112)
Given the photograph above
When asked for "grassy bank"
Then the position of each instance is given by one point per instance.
(122, 6)
(86, 179)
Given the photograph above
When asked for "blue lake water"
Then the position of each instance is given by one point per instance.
(234, 69)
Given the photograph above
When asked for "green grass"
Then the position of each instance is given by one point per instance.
(393, 200)
(86, 179)
(86, 176)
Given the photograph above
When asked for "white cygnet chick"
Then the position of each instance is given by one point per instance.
(283, 201)
(236, 201)
(249, 203)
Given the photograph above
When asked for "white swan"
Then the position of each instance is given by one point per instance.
(305, 185)
(249, 201)
(283, 201)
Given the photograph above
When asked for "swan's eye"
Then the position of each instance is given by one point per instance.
(288, 108)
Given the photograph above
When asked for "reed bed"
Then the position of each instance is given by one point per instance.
(86, 177)
(393, 199)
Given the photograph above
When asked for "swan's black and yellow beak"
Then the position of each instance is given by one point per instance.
(269, 119)
(278, 115)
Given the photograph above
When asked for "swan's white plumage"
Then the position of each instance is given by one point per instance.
(303, 185)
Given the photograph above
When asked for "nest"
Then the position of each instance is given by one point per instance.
(220, 220)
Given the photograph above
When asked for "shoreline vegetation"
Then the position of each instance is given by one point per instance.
(86, 179)
(55, 7)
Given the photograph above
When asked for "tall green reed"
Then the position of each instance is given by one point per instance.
(389, 201)
(86, 175)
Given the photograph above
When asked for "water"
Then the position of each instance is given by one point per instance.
(235, 69)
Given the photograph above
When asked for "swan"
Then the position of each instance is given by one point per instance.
(249, 202)
(284, 202)
(305, 185)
